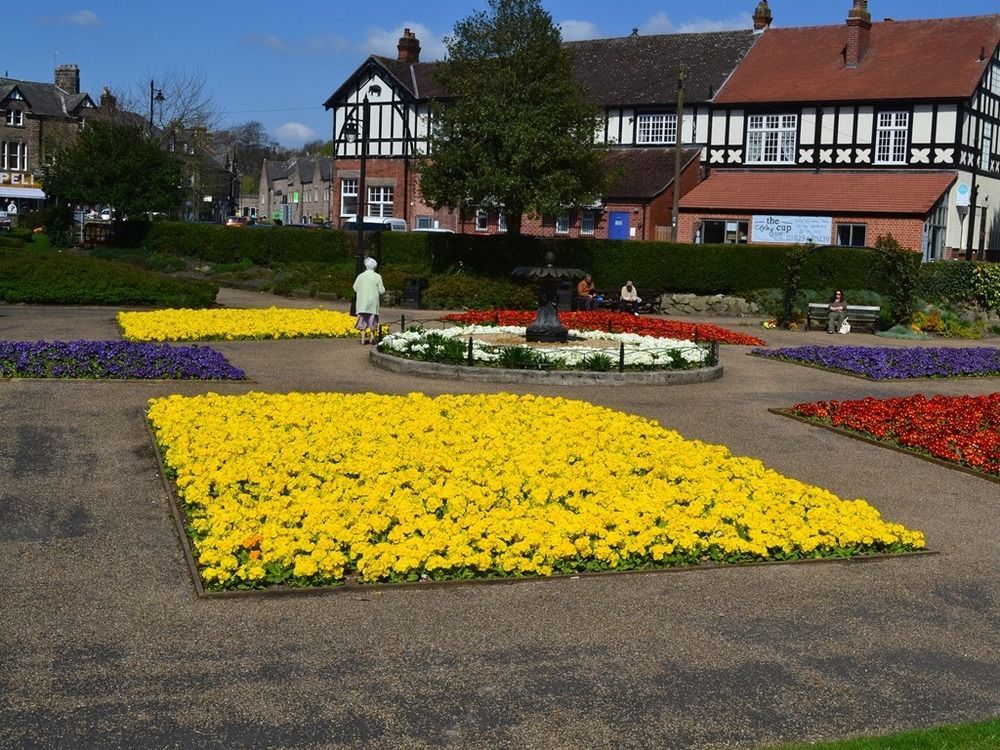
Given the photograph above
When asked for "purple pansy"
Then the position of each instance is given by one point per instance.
(114, 360)
(891, 363)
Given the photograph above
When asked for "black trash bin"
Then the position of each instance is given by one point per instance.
(564, 296)
(411, 292)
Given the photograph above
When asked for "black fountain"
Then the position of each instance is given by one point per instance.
(547, 326)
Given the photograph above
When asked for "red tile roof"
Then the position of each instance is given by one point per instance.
(929, 59)
(826, 192)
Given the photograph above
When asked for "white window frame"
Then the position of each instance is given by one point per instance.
(853, 227)
(562, 223)
(892, 133)
(482, 220)
(380, 204)
(656, 129)
(501, 221)
(424, 222)
(14, 156)
(771, 139)
(588, 223)
(986, 150)
(15, 118)
(348, 189)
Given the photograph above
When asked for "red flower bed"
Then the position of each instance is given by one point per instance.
(961, 429)
(613, 322)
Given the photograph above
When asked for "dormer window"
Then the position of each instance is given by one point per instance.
(656, 129)
(15, 118)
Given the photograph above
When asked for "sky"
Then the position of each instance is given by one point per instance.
(277, 61)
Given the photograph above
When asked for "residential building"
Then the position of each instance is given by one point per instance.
(36, 119)
(639, 124)
(841, 133)
(296, 191)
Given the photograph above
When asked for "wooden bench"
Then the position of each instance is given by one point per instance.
(859, 316)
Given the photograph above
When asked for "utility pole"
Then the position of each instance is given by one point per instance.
(678, 150)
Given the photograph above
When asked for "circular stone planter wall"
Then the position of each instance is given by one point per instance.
(545, 377)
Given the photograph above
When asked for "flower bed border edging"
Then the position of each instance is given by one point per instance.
(543, 377)
(350, 587)
(898, 448)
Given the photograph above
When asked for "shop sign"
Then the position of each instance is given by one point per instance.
(21, 179)
(791, 229)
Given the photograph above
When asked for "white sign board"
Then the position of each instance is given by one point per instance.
(792, 229)
(962, 195)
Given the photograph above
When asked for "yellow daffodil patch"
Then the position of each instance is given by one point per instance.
(309, 489)
(204, 325)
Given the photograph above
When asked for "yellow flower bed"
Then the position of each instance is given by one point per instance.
(311, 488)
(203, 325)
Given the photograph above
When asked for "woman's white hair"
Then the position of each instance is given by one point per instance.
(370, 263)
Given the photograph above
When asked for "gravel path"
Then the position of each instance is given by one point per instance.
(104, 644)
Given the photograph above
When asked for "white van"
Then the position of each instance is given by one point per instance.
(375, 224)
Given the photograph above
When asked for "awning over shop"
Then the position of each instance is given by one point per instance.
(829, 192)
(6, 191)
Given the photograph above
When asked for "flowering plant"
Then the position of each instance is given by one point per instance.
(641, 352)
(961, 429)
(113, 360)
(308, 489)
(202, 325)
(614, 322)
(893, 363)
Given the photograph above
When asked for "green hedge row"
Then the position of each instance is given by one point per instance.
(43, 277)
(962, 281)
(264, 246)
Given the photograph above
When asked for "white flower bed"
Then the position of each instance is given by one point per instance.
(645, 352)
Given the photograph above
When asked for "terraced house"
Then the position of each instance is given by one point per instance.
(841, 133)
(36, 119)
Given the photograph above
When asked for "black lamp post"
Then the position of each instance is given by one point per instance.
(351, 133)
(153, 97)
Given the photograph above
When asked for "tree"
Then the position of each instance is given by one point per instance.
(115, 165)
(518, 134)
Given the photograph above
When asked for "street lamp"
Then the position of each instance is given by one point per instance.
(352, 129)
(157, 97)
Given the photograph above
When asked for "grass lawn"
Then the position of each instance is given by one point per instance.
(980, 736)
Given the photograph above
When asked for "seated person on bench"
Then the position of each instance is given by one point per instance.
(838, 313)
(630, 298)
(585, 290)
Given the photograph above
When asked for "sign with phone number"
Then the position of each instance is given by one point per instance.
(792, 229)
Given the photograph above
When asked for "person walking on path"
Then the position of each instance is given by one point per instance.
(368, 291)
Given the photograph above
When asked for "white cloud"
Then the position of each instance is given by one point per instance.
(384, 41)
(83, 18)
(575, 31)
(269, 41)
(294, 134)
(328, 43)
(661, 24)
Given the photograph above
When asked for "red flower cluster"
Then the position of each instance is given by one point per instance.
(961, 429)
(613, 322)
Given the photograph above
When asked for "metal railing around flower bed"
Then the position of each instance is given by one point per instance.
(607, 364)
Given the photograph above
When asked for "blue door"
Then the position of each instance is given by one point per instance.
(618, 225)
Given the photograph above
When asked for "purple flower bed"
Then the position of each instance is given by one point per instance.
(115, 360)
(890, 363)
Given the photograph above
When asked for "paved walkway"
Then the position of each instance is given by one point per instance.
(103, 643)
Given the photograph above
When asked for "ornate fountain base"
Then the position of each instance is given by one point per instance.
(547, 326)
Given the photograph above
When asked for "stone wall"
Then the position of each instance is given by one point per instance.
(716, 304)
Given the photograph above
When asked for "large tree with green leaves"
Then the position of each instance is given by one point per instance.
(117, 165)
(517, 132)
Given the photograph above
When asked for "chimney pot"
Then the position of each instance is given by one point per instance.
(761, 16)
(408, 47)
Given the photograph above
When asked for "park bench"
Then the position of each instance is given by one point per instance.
(859, 316)
(612, 300)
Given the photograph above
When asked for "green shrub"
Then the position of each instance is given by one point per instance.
(10, 243)
(962, 281)
(455, 291)
(264, 246)
(67, 279)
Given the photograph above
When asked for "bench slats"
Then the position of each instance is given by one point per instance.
(865, 315)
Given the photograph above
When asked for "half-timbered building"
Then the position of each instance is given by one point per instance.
(632, 79)
(838, 134)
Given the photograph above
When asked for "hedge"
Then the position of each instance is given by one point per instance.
(43, 277)
(962, 281)
(264, 246)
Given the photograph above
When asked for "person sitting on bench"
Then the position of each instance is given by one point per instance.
(586, 292)
(630, 298)
(838, 313)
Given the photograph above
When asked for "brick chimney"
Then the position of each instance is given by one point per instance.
(761, 16)
(408, 47)
(859, 26)
(108, 100)
(68, 78)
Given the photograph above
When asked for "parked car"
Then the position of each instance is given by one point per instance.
(375, 224)
(434, 230)
(236, 221)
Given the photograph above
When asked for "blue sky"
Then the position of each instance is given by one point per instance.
(277, 61)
